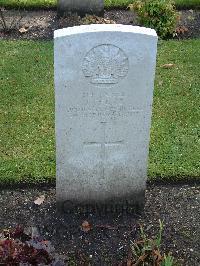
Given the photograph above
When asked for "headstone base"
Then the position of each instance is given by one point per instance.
(132, 205)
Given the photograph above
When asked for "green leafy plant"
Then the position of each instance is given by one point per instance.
(168, 260)
(157, 14)
(147, 251)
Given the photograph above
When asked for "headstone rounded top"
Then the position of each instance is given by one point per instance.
(104, 28)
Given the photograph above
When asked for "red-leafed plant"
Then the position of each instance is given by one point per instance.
(18, 248)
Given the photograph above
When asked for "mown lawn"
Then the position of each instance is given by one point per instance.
(27, 140)
(108, 3)
(178, 3)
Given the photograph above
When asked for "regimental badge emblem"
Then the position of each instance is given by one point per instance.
(105, 64)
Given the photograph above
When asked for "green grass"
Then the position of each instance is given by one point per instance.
(27, 141)
(27, 111)
(108, 3)
(187, 3)
(117, 3)
(175, 145)
(28, 3)
(179, 3)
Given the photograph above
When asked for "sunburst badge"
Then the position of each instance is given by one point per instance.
(105, 64)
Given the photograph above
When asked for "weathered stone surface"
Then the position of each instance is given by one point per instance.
(104, 79)
(81, 7)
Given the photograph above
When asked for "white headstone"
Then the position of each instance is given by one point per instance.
(81, 7)
(104, 79)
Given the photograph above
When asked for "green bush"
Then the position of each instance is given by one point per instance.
(157, 14)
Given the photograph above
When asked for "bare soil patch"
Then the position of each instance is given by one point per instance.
(40, 24)
(108, 241)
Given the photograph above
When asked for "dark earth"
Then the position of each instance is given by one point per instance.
(109, 238)
(40, 24)
(110, 235)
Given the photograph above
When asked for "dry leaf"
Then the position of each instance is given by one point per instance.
(23, 30)
(157, 256)
(140, 259)
(86, 226)
(181, 30)
(39, 200)
(129, 262)
(168, 65)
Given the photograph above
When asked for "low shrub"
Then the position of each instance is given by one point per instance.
(148, 251)
(19, 248)
(157, 14)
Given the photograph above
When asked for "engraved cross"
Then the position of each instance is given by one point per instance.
(103, 144)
